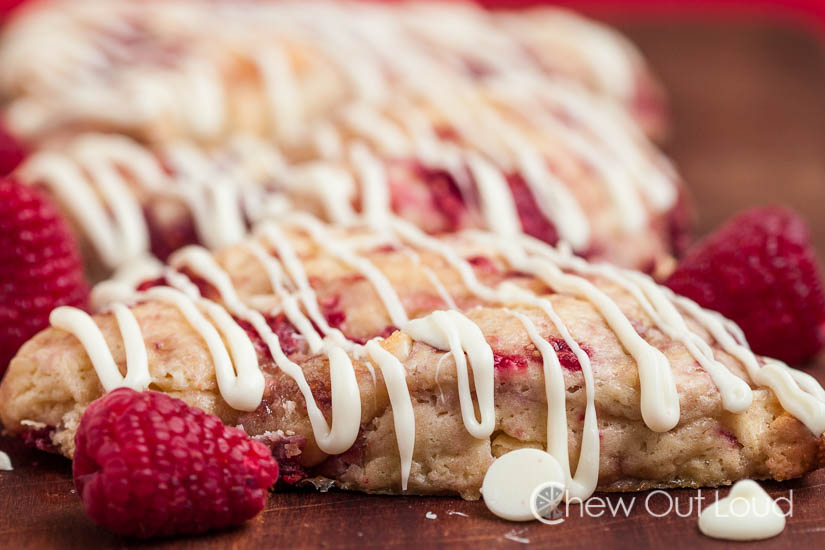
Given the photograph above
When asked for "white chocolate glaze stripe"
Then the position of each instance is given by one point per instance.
(395, 378)
(273, 234)
(735, 392)
(587, 471)
(241, 384)
(497, 204)
(375, 189)
(288, 302)
(452, 331)
(66, 181)
(797, 392)
(79, 324)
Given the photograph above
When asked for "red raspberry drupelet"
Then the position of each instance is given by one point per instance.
(148, 465)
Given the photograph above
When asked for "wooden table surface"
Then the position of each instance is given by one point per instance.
(748, 100)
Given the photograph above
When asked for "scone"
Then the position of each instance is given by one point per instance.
(447, 115)
(204, 70)
(569, 169)
(390, 361)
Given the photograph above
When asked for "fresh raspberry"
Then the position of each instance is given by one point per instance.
(7, 6)
(679, 223)
(12, 152)
(40, 266)
(147, 464)
(759, 270)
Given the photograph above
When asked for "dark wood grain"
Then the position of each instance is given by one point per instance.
(749, 119)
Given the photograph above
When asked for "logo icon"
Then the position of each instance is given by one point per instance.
(544, 502)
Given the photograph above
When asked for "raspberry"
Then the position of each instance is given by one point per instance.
(8, 6)
(760, 271)
(166, 237)
(40, 266)
(567, 358)
(147, 464)
(679, 223)
(41, 439)
(509, 362)
(445, 196)
(533, 220)
(331, 306)
(483, 263)
(288, 337)
(12, 152)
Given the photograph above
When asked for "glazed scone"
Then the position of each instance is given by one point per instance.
(446, 115)
(572, 170)
(204, 70)
(283, 333)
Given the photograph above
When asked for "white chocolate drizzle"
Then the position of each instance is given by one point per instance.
(395, 377)
(289, 302)
(586, 478)
(452, 331)
(118, 237)
(272, 234)
(798, 392)
(76, 322)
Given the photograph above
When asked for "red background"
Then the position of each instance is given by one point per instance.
(815, 7)
(812, 10)
(669, 7)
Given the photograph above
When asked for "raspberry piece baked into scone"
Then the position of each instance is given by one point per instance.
(205, 69)
(391, 361)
